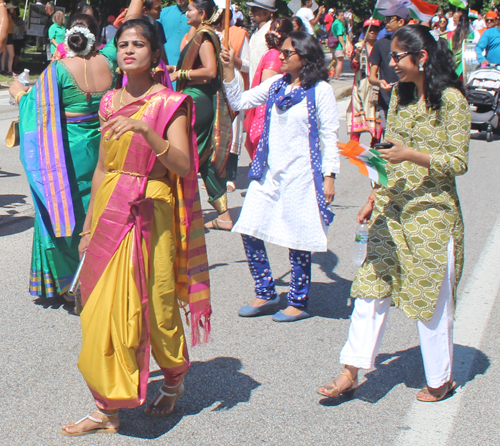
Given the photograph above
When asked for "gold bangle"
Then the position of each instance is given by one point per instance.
(20, 94)
(165, 151)
(188, 75)
(84, 233)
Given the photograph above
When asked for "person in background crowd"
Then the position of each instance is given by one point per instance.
(57, 31)
(261, 15)
(269, 66)
(9, 46)
(298, 24)
(238, 39)
(109, 31)
(292, 181)
(139, 254)
(77, 85)
(490, 20)
(455, 40)
(329, 18)
(174, 21)
(453, 23)
(238, 16)
(4, 25)
(362, 114)
(338, 31)
(19, 31)
(489, 41)
(199, 74)
(307, 15)
(49, 9)
(152, 8)
(416, 234)
(442, 25)
(479, 23)
(382, 75)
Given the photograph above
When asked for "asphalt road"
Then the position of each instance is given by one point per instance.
(255, 382)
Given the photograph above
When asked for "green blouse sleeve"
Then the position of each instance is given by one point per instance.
(109, 51)
(453, 157)
(392, 115)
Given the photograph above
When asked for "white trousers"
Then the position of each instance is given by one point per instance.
(436, 336)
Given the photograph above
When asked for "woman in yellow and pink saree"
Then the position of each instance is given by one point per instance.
(144, 245)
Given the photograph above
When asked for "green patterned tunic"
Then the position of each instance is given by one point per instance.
(415, 216)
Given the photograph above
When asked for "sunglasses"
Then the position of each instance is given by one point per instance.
(490, 20)
(287, 53)
(391, 18)
(396, 57)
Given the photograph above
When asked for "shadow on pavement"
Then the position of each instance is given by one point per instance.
(216, 382)
(330, 300)
(405, 367)
(4, 174)
(14, 218)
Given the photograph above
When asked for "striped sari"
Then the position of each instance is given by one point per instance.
(146, 257)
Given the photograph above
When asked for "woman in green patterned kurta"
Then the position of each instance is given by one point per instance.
(415, 248)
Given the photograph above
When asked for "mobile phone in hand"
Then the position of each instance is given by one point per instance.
(383, 145)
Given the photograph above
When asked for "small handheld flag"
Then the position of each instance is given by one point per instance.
(368, 161)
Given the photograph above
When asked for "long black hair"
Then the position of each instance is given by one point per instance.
(461, 32)
(310, 51)
(439, 68)
(147, 30)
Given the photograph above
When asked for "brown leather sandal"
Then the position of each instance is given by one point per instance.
(427, 395)
(333, 391)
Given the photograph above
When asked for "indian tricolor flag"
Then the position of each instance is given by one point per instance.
(473, 14)
(368, 160)
(418, 8)
(459, 3)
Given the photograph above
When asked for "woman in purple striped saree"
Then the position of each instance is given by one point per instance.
(144, 243)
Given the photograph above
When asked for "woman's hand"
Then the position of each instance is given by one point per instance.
(385, 86)
(174, 75)
(84, 244)
(365, 212)
(396, 154)
(120, 124)
(16, 88)
(171, 68)
(329, 189)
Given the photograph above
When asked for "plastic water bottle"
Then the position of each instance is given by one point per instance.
(360, 243)
(24, 78)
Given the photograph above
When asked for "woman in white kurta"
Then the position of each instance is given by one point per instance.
(286, 204)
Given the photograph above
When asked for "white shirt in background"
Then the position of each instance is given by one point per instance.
(306, 14)
(258, 47)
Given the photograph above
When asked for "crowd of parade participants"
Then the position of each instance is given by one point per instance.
(113, 138)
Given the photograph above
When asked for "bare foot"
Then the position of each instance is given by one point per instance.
(87, 424)
(163, 403)
(291, 311)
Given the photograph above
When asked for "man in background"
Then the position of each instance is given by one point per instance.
(382, 75)
(49, 9)
(174, 21)
(261, 15)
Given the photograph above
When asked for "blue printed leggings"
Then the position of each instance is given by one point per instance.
(300, 280)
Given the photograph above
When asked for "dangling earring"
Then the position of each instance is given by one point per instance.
(421, 66)
(118, 70)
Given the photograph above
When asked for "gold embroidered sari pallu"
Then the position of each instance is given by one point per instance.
(213, 118)
(146, 256)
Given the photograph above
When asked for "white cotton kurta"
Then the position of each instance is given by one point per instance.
(282, 208)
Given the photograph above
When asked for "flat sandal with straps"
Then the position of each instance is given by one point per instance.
(174, 393)
(100, 430)
(333, 391)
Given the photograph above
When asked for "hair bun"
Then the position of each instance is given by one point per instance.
(77, 42)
